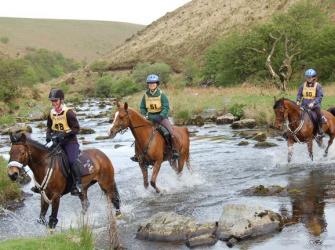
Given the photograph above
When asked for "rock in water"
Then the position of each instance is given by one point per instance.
(241, 222)
(170, 226)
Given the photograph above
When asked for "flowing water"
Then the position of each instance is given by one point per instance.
(221, 170)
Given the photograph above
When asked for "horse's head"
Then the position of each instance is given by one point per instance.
(121, 120)
(18, 155)
(280, 113)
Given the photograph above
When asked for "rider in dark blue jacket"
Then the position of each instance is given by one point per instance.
(310, 96)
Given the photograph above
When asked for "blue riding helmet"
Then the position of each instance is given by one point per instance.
(153, 79)
(310, 73)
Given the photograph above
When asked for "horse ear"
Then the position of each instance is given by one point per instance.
(125, 106)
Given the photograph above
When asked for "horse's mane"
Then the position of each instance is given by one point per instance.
(279, 103)
(138, 114)
(36, 144)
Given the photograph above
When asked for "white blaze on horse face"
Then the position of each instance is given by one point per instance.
(115, 117)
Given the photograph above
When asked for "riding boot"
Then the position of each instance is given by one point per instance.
(321, 134)
(174, 144)
(77, 187)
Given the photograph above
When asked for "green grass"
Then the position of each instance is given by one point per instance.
(8, 190)
(257, 101)
(71, 240)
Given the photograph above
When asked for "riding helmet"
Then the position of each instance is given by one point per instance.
(56, 94)
(310, 73)
(153, 79)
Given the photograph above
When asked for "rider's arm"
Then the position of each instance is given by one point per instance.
(165, 106)
(319, 94)
(143, 108)
(72, 122)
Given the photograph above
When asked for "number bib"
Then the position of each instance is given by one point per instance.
(153, 104)
(309, 92)
(59, 121)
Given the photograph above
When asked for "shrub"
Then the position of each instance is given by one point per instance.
(4, 39)
(142, 70)
(237, 110)
(104, 87)
(99, 66)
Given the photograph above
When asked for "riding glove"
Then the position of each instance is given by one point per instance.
(48, 137)
(311, 105)
(158, 118)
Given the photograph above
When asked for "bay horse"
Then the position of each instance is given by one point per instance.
(45, 163)
(300, 127)
(150, 145)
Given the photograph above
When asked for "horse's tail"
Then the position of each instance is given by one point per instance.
(188, 152)
(331, 110)
(116, 197)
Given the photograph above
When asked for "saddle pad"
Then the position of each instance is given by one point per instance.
(86, 165)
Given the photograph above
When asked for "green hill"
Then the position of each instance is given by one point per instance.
(77, 39)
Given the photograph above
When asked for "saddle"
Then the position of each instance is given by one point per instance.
(86, 166)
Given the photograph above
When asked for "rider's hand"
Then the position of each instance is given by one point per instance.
(158, 118)
(298, 103)
(311, 105)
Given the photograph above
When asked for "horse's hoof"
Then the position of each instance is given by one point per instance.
(157, 190)
(42, 221)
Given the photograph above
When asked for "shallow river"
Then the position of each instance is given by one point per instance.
(221, 170)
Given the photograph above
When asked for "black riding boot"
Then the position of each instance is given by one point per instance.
(174, 144)
(77, 187)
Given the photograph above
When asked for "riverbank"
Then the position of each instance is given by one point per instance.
(9, 191)
(69, 240)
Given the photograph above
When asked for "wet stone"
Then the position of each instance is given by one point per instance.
(84, 131)
(243, 143)
(260, 137)
(245, 123)
(171, 227)
(226, 119)
(265, 144)
(242, 222)
(102, 137)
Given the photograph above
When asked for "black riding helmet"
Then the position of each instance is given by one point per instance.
(56, 94)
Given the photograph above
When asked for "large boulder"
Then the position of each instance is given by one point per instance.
(240, 222)
(226, 119)
(169, 226)
(244, 123)
(209, 115)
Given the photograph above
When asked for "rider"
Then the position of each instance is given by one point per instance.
(155, 106)
(310, 96)
(63, 126)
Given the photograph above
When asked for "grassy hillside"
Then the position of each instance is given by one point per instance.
(190, 29)
(81, 40)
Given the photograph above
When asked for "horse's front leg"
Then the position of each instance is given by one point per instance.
(44, 209)
(330, 142)
(289, 150)
(144, 170)
(53, 217)
(155, 172)
(310, 148)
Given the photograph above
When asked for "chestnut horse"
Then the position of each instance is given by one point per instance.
(300, 127)
(46, 163)
(150, 145)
